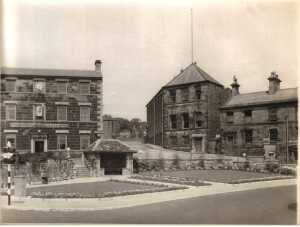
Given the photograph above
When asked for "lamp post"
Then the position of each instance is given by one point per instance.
(8, 155)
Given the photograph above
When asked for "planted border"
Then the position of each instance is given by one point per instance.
(75, 195)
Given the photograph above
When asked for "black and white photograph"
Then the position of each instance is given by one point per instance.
(149, 112)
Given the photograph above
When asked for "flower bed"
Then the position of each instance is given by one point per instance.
(172, 180)
(149, 188)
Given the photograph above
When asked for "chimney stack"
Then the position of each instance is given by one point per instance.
(235, 87)
(274, 83)
(98, 65)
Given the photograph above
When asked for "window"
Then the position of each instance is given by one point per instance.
(61, 87)
(84, 113)
(84, 88)
(173, 140)
(10, 111)
(229, 117)
(61, 142)
(273, 114)
(186, 140)
(185, 119)
(39, 86)
(198, 120)
(198, 92)
(39, 112)
(12, 139)
(248, 136)
(273, 135)
(10, 85)
(172, 96)
(84, 141)
(231, 138)
(248, 113)
(173, 121)
(185, 94)
(61, 113)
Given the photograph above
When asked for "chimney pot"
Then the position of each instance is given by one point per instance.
(274, 83)
(235, 87)
(98, 64)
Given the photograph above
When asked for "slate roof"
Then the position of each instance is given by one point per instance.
(263, 97)
(49, 72)
(109, 145)
(192, 74)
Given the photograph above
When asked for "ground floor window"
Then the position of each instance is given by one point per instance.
(12, 139)
(84, 141)
(248, 136)
(61, 142)
(186, 140)
(173, 140)
(231, 138)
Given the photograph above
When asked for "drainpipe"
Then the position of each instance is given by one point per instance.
(287, 139)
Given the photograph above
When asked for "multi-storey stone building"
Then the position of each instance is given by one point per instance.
(44, 110)
(261, 123)
(184, 114)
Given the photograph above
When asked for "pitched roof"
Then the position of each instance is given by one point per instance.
(109, 145)
(263, 97)
(191, 74)
(49, 72)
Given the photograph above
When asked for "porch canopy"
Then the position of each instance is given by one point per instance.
(108, 146)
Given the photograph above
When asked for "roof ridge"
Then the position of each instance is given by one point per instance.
(50, 69)
(254, 92)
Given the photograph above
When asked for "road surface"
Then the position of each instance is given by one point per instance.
(262, 206)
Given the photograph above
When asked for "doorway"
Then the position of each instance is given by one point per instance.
(198, 144)
(113, 163)
(38, 146)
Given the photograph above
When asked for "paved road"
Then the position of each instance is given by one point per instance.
(262, 206)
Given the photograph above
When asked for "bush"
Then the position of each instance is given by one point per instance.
(272, 167)
(175, 163)
(287, 171)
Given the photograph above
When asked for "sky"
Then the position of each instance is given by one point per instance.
(144, 44)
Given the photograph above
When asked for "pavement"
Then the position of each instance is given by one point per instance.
(99, 204)
(260, 206)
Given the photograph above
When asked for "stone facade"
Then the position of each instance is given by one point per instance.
(184, 115)
(255, 122)
(40, 107)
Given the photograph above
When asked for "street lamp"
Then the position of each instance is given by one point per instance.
(8, 155)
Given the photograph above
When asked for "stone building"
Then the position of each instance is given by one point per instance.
(45, 110)
(261, 123)
(184, 114)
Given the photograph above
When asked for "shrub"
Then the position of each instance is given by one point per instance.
(272, 167)
(288, 171)
(175, 163)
